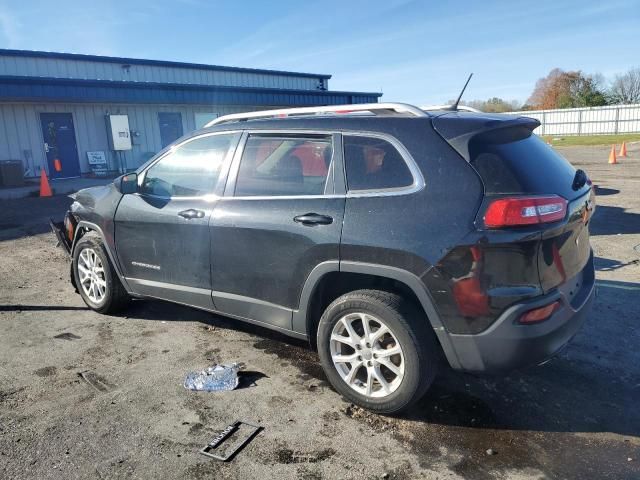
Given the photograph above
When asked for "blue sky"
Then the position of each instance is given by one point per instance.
(413, 51)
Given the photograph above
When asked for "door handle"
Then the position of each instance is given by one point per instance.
(310, 219)
(191, 213)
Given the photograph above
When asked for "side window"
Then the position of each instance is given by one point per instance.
(374, 164)
(188, 170)
(284, 165)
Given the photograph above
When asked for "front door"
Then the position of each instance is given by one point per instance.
(277, 221)
(60, 145)
(162, 232)
(170, 127)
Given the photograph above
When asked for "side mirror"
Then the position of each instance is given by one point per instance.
(128, 183)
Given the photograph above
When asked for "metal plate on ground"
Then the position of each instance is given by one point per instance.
(215, 447)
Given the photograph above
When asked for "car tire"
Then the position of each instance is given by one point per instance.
(95, 278)
(407, 373)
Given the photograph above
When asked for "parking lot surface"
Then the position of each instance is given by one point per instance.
(84, 395)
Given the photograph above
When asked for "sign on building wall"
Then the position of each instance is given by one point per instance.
(98, 163)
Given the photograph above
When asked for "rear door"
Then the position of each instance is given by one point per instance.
(279, 218)
(162, 232)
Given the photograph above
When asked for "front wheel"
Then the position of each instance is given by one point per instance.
(95, 278)
(377, 350)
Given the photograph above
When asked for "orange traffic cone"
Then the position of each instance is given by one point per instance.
(57, 165)
(45, 189)
(623, 150)
(612, 155)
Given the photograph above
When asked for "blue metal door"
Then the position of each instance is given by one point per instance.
(170, 127)
(60, 144)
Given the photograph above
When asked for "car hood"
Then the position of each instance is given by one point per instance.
(89, 197)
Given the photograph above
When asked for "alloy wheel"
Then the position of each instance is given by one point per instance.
(92, 276)
(367, 355)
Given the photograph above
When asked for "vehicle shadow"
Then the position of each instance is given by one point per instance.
(26, 217)
(592, 386)
(293, 350)
(609, 265)
(249, 378)
(166, 311)
(604, 191)
(38, 308)
(613, 220)
(13, 231)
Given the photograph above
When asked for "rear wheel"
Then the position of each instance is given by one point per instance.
(95, 278)
(377, 350)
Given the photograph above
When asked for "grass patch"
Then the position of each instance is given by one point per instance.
(571, 141)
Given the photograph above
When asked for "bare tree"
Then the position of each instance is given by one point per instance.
(625, 88)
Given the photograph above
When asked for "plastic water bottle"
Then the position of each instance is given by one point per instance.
(213, 379)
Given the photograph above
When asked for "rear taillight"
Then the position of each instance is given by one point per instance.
(541, 314)
(514, 211)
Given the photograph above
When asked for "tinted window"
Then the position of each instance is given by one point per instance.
(374, 164)
(189, 170)
(515, 161)
(277, 165)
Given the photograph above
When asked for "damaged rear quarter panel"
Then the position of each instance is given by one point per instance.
(414, 232)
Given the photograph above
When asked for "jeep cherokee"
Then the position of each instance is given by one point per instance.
(388, 236)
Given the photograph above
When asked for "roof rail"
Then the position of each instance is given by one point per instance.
(464, 108)
(293, 112)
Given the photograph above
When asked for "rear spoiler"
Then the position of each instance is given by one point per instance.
(459, 129)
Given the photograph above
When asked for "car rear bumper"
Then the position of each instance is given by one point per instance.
(508, 345)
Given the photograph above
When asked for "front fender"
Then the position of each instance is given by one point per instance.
(82, 228)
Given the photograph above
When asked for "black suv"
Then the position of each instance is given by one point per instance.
(388, 236)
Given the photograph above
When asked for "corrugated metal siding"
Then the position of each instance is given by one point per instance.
(90, 87)
(48, 89)
(21, 134)
(81, 69)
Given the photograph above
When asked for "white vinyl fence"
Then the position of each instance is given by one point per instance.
(611, 119)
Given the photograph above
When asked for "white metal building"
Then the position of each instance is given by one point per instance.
(58, 106)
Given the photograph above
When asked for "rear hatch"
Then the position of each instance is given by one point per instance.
(515, 163)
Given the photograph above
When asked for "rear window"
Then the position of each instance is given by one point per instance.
(516, 161)
(374, 164)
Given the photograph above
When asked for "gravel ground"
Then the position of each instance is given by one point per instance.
(84, 395)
